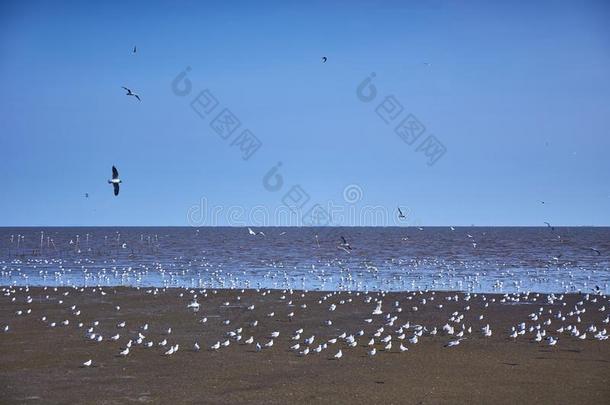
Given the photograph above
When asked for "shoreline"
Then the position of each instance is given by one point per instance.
(479, 370)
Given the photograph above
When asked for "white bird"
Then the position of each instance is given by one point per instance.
(124, 352)
(338, 355)
(402, 348)
(215, 346)
(454, 342)
(88, 363)
(196, 347)
(372, 352)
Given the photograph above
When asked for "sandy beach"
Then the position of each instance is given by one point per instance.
(43, 364)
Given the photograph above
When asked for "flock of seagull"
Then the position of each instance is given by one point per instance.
(117, 259)
(385, 329)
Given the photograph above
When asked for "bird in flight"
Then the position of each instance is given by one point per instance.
(134, 49)
(86, 195)
(400, 214)
(131, 93)
(596, 251)
(345, 243)
(549, 226)
(115, 180)
(251, 232)
(324, 59)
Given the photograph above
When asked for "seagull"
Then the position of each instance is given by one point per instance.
(88, 363)
(344, 249)
(134, 49)
(549, 226)
(596, 251)
(345, 244)
(251, 232)
(324, 59)
(115, 180)
(400, 214)
(339, 354)
(131, 93)
(454, 342)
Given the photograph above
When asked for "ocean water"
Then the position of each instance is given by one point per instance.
(399, 258)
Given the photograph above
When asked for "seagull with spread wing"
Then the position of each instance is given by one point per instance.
(115, 180)
(131, 93)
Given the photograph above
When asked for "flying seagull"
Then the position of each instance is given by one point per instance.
(324, 59)
(131, 93)
(86, 195)
(549, 226)
(115, 180)
(596, 251)
(400, 214)
(251, 232)
(134, 49)
(345, 244)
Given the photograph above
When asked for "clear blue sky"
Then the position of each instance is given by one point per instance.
(519, 94)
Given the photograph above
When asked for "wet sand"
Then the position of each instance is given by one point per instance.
(42, 364)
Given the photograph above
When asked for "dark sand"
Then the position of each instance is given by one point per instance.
(40, 364)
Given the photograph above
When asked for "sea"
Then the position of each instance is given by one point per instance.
(477, 259)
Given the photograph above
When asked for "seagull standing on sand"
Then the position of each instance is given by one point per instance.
(454, 342)
(115, 180)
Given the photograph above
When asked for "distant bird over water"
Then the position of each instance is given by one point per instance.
(596, 251)
(400, 214)
(131, 93)
(324, 59)
(115, 180)
(134, 49)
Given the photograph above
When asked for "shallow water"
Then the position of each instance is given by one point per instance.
(503, 260)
